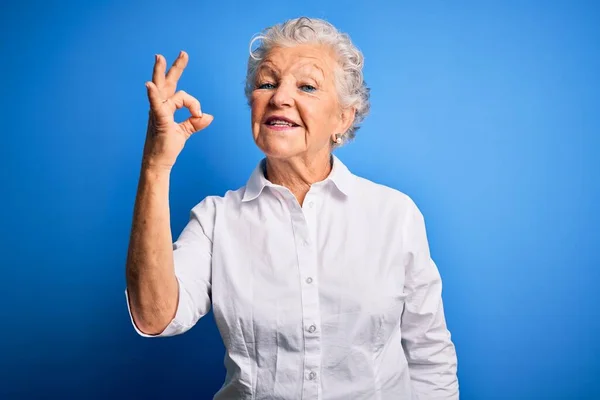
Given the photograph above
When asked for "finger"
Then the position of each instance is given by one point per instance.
(154, 96)
(177, 68)
(195, 124)
(183, 99)
(158, 74)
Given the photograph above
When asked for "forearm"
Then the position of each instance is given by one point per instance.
(433, 370)
(151, 284)
(428, 345)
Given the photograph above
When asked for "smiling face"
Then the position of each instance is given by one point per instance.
(295, 107)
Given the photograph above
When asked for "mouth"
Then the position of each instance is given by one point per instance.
(280, 123)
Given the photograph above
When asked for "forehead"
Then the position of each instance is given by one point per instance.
(299, 57)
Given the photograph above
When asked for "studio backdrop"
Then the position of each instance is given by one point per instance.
(487, 114)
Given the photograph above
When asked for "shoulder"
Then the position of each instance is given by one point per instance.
(206, 213)
(213, 204)
(385, 197)
(394, 209)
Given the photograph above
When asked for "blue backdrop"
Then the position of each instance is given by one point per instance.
(486, 113)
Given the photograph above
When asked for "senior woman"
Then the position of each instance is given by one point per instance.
(321, 282)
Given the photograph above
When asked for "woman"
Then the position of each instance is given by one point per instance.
(321, 282)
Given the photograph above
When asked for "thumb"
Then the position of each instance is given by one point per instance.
(195, 124)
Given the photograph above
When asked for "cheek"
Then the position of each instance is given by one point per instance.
(318, 116)
(330, 108)
(257, 113)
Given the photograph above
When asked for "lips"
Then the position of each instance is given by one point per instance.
(280, 121)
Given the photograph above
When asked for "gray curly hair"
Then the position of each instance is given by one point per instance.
(351, 87)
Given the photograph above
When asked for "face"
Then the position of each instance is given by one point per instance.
(295, 107)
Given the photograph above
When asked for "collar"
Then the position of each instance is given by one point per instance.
(340, 176)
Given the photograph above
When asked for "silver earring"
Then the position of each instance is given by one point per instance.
(338, 138)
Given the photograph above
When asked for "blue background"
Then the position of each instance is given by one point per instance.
(486, 113)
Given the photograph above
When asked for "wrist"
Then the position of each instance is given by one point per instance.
(150, 168)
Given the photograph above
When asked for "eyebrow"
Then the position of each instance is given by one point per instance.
(266, 65)
(320, 69)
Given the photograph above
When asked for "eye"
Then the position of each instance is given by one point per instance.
(308, 88)
(265, 86)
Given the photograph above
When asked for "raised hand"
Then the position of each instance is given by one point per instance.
(166, 138)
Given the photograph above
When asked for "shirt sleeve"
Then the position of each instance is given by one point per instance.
(427, 343)
(192, 257)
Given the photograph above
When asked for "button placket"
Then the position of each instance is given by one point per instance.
(303, 220)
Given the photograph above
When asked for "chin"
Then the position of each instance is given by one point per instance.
(280, 145)
(280, 151)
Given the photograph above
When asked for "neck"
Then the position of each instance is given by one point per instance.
(298, 174)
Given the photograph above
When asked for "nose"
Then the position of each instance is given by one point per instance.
(283, 96)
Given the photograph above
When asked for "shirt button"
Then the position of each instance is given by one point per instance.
(312, 375)
(309, 280)
(312, 328)
(311, 204)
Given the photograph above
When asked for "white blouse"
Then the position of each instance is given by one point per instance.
(335, 299)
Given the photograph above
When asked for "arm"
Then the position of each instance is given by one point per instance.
(185, 281)
(152, 288)
(159, 278)
(426, 340)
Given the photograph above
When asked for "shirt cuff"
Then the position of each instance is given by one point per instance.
(174, 327)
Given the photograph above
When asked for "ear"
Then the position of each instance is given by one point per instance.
(346, 119)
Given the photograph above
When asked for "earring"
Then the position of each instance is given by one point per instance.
(338, 138)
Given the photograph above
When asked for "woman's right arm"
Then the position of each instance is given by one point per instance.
(150, 275)
(152, 286)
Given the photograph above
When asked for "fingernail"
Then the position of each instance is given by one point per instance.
(181, 53)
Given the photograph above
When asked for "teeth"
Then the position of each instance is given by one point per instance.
(280, 123)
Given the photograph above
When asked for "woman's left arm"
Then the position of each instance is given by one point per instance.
(426, 340)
